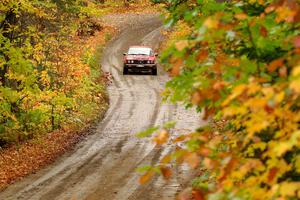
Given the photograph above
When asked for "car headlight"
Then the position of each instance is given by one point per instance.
(149, 61)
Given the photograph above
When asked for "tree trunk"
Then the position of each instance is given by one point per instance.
(9, 21)
(126, 3)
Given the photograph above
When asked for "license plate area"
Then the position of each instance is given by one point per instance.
(140, 65)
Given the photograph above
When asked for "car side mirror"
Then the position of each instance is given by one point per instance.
(124, 54)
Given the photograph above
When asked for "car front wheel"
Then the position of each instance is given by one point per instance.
(125, 70)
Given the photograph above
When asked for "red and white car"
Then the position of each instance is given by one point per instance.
(140, 59)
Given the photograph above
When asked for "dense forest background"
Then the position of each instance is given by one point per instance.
(50, 76)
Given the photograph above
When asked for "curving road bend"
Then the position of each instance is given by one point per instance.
(103, 166)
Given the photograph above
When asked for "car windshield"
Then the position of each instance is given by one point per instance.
(139, 51)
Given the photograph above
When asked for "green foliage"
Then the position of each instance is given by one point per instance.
(238, 63)
(147, 132)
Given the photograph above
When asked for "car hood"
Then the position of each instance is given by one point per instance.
(139, 57)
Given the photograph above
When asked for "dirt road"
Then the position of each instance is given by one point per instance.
(103, 166)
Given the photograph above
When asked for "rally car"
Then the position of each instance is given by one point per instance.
(140, 59)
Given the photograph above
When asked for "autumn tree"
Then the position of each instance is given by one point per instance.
(45, 82)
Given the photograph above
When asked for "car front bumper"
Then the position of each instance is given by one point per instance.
(140, 67)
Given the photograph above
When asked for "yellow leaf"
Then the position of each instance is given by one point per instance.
(238, 90)
(253, 89)
(260, 145)
(279, 97)
(241, 16)
(162, 137)
(258, 122)
(256, 104)
(211, 23)
(192, 159)
(282, 148)
(166, 159)
(234, 110)
(288, 189)
(268, 92)
(259, 193)
(258, 126)
(296, 71)
(209, 163)
(284, 13)
(182, 44)
(295, 85)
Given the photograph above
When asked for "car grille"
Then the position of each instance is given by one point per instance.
(140, 62)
